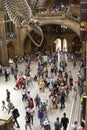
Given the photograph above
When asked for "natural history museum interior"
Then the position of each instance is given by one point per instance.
(43, 28)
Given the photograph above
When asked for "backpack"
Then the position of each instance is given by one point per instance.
(16, 113)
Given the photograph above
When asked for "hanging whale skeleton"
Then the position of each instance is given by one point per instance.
(21, 15)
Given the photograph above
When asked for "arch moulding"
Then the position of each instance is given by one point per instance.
(66, 22)
(46, 21)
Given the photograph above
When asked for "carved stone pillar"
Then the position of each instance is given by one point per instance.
(19, 47)
(4, 56)
(84, 47)
(3, 44)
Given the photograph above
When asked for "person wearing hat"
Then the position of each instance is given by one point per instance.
(46, 125)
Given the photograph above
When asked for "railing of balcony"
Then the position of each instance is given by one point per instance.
(73, 18)
(10, 35)
(58, 14)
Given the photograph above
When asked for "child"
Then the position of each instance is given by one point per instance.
(3, 106)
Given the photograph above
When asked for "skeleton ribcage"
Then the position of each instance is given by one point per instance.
(19, 11)
(21, 15)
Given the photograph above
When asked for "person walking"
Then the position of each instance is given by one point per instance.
(15, 74)
(46, 116)
(49, 102)
(46, 125)
(3, 106)
(10, 106)
(37, 100)
(15, 115)
(32, 113)
(64, 121)
(41, 116)
(8, 95)
(6, 75)
(57, 124)
(62, 100)
(28, 121)
(31, 103)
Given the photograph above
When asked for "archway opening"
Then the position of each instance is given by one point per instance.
(11, 50)
(76, 45)
(60, 45)
(51, 32)
(64, 45)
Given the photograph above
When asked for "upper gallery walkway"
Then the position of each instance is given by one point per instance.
(60, 18)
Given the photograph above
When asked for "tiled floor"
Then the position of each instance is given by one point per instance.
(16, 98)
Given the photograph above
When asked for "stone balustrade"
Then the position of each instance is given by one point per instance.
(6, 122)
(59, 14)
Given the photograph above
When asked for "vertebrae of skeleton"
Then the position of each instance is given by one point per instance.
(21, 15)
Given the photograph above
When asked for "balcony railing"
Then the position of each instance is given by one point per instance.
(71, 17)
(58, 14)
(11, 35)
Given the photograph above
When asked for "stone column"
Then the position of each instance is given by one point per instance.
(4, 52)
(84, 46)
(19, 48)
(86, 87)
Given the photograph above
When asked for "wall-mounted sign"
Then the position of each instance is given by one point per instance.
(83, 20)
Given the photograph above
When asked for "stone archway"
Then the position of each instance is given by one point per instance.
(43, 21)
(66, 22)
(11, 50)
(55, 40)
(76, 44)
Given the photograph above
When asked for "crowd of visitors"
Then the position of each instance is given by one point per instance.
(52, 75)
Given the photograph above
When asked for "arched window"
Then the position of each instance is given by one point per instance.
(65, 45)
(58, 44)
